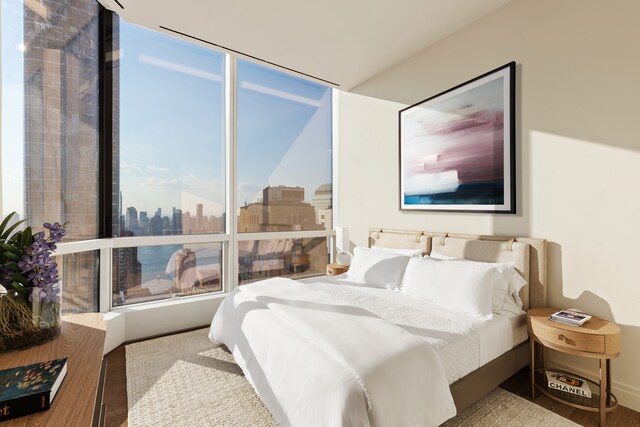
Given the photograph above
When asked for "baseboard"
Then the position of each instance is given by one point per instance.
(626, 394)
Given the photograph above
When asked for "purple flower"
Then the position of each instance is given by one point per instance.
(36, 264)
(56, 231)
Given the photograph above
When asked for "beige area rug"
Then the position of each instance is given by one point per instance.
(181, 380)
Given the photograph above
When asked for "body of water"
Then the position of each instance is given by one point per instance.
(154, 259)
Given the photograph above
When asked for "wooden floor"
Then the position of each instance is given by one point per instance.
(520, 385)
(115, 388)
(115, 398)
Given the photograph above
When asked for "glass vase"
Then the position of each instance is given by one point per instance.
(26, 319)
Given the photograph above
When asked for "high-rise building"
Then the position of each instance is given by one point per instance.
(282, 209)
(60, 74)
(166, 225)
(177, 221)
(322, 197)
(155, 225)
(144, 223)
(126, 268)
(282, 194)
(61, 126)
(322, 201)
(186, 223)
(199, 217)
(131, 219)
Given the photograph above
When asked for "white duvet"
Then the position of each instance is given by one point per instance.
(316, 360)
(464, 343)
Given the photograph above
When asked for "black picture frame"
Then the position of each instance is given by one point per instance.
(457, 148)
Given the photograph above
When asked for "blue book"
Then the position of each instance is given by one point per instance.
(28, 389)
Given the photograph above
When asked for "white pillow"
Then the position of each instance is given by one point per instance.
(463, 286)
(510, 284)
(505, 292)
(406, 252)
(513, 303)
(441, 256)
(377, 268)
(501, 293)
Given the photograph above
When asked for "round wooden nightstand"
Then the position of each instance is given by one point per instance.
(596, 339)
(334, 269)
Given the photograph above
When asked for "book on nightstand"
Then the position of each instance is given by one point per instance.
(31, 388)
(570, 317)
(567, 383)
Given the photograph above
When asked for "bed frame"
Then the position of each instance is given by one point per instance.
(530, 258)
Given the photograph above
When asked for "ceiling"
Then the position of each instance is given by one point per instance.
(339, 42)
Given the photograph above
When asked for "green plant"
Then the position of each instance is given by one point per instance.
(25, 257)
(29, 291)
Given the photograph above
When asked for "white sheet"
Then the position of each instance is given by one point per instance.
(464, 343)
(318, 355)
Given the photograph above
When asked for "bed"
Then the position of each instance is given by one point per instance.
(401, 361)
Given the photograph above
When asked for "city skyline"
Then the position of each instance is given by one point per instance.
(178, 221)
(146, 273)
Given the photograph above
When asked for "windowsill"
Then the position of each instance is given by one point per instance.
(151, 305)
(156, 318)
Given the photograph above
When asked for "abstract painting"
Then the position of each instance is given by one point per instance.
(457, 148)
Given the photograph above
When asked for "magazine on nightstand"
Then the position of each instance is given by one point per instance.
(567, 383)
(570, 317)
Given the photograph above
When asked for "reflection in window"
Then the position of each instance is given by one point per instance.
(284, 152)
(294, 258)
(150, 273)
(79, 273)
(50, 129)
(169, 162)
(50, 113)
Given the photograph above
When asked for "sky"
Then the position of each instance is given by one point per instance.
(172, 125)
(12, 107)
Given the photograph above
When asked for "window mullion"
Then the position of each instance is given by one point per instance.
(105, 280)
(232, 174)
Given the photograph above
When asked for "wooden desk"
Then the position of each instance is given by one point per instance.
(82, 341)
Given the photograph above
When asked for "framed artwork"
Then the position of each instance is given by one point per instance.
(457, 148)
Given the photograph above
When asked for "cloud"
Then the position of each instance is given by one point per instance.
(124, 165)
(184, 183)
(157, 168)
(194, 183)
(155, 182)
(250, 187)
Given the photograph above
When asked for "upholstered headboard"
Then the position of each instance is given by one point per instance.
(529, 255)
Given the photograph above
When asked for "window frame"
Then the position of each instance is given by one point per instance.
(106, 243)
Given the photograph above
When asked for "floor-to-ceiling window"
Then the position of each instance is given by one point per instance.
(219, 168)
(50, 129)
(169, 128)
(284, 172)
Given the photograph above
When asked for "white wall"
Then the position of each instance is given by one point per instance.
(578, 151)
